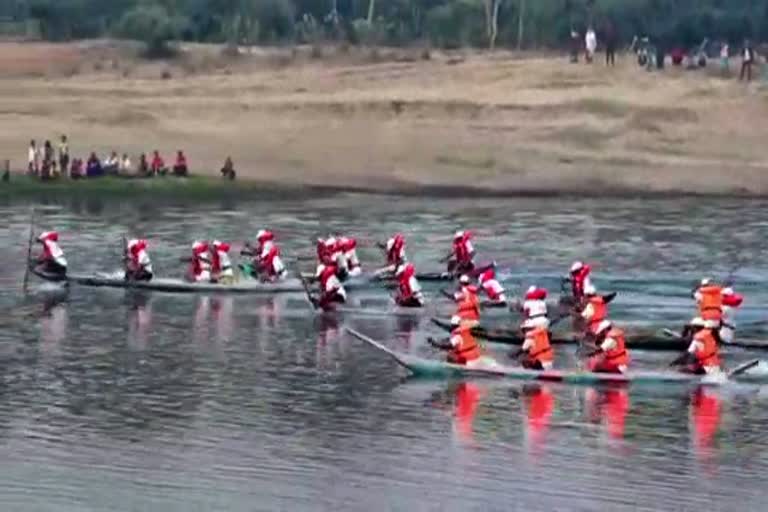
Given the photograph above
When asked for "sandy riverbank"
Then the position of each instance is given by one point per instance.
(495, 122)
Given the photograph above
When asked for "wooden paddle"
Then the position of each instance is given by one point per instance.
(307, 292)
(25, 281)
(743, 368)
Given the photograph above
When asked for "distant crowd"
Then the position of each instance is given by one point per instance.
(48, 163)
(652, 56)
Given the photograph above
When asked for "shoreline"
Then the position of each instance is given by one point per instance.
(211, 189)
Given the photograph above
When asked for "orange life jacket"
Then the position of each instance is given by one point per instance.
(711, 302)
(708, 355)
(467, 350)
(599, 309)
(541, 350)
(469, 305)
(618, 355)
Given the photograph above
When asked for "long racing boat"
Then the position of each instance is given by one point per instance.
(639, 340)
(421, 367)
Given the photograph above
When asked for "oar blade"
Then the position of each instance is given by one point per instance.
(742, 368)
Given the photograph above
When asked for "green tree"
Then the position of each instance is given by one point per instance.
(154, 25)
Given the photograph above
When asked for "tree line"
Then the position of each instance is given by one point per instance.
(438, 23)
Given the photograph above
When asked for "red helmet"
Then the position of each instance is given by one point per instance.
(534, 293)
(264, 235)
(221, 246)
(51, 236)
(487, 276)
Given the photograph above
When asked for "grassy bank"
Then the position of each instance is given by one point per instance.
(501, 123)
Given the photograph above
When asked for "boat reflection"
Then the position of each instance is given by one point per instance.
(705, 412)
(139, 318)
(539, 403)
(223, 315)
(467, 396)
(608, 406)
(54, 321)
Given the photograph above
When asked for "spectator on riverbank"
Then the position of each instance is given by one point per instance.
(125, 165)
(158, 164)
(228, 171)
(33, 159)
(725, 59)
(93, 167)
(590, 43)
(180, 167)
(76, 169)
(63, 154)
(111, 164)
(611, 42)
(48, 160)
(747, 58)
(143, 169)
(575, 46)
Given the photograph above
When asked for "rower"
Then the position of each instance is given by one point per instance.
(347, 247)
(702, 355)
(461, 345)
(267, 258)
(534, 307)
(595, 310)
(395, 253)
(138, 266)
(536, 347)
(461, 259)
(611, 354)
(709, 298)
(408, 288)
(468, 303)
(492, 289)
(731, 301)
(331, 289)
(580, 281)
(51, 260)
(335, 256)
(221, 265)
(200, 263)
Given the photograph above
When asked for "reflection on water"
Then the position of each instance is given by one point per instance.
(116, 400)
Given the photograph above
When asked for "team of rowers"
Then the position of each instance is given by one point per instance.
(337, 261)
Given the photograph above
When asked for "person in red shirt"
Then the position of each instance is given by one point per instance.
(180, 167)
(158, 164)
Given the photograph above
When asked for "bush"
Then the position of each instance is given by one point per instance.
(154, 26)
(456, 24)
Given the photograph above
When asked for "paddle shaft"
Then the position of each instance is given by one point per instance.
(25, 282)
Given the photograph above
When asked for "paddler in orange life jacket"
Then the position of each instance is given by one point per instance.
(51, 260)
(595, 310)
(536, 350)
(266, 260)
(702, 356)
(138, 266)
(493, 289)
(221, 265)
(461, 259)
(200, 263)
(611, 354)
(467, 302)
(331, 289)
(408, 288)
(461, 345)
(334, 255)
(534, 308)
(348, 248)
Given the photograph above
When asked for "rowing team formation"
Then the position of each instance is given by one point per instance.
(605, 342)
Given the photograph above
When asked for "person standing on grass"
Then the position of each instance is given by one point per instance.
(33, 158)
(590, 43)
(575, 46)
(48, 160)
(725, 65)
(63, 154)
(747, 58)
(610, 44)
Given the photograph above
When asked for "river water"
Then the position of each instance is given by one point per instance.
(114, 400)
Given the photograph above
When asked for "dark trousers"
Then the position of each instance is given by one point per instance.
(746, 70)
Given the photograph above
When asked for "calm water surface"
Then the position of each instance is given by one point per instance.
(113, 400)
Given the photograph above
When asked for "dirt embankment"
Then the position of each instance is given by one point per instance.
(500, 122)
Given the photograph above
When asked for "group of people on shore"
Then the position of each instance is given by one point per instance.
(48, 163)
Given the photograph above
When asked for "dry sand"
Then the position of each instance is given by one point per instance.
(503, 122)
